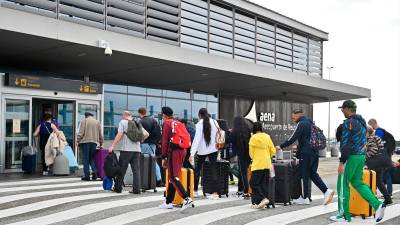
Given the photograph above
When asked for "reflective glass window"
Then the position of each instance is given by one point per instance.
(182, 108)
(115, 88)
(135, 102)
(136, 90)
(114, 105)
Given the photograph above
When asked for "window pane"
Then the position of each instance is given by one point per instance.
(115, 88)
(114, 105)
(155, 92)
(212, 108)
(136, 90)
(110, 132)
(181, 108)
(212, 98)
(135, 102)
(196, 106)
(200, 97)
(176, 94)
(154, 107)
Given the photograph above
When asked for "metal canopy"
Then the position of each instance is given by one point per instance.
(49, 47)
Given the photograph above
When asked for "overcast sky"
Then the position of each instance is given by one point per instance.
(363, 48)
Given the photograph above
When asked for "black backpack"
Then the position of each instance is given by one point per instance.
(111, 165)
(390, 142)
(134, 131)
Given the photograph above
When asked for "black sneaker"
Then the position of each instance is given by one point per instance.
(85, 178)
(94, 176)
(135, 192)
(388, 201)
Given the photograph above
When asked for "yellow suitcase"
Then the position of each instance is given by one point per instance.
(358, 206)
(187, 180)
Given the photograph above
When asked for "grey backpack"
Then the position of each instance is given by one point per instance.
(61, 166)
(134, 131)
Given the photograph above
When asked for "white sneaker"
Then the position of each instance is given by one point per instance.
(301, 201)
(263, 203)
(338, 218)
(45, 173)
(166, 206)
(213, 197)
(328, 196)
(196, 194)
(187, 203)
(380, 213)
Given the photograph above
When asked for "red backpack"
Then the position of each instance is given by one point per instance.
(180, 136)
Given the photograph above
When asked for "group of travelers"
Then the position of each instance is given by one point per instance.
(250, 148)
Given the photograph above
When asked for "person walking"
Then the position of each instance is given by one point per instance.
(149, 145)
(129, 151)
(309, 159)
(204, 147)
(389, 145)
(352, 160)
(240, 137)
(261, 151)
(89, 138)
(43, 130)
(375, 148)
(174, 158)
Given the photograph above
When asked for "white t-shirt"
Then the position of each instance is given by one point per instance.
(126, 144)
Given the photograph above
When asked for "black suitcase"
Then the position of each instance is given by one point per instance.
(148, 172)
(29, 164)
(297, 187)
(221, 185)
(283, 170)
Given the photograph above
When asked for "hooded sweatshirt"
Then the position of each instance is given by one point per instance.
(354, 137)
(261, 151)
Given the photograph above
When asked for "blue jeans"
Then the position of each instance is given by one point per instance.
(244, 182)
(387, 179)
(151, 150)
(89, 149)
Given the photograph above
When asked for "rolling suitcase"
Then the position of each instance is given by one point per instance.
(187, 180)
(297, 185)
(221, 184)
(396, 175)
(283, 175)
(29, 164)
(358, 206)
(61, 166)
(99, 159)
(148, 172)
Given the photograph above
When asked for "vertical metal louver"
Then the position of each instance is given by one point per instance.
(221, 30)
(283, 48)
(300, 53)
(86, 12)
(315, 57)
(244, 37)
(163, 21)
(265, 43)
(126, 16)
(194, 25)
(42, 7)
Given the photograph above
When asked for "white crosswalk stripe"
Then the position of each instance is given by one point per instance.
(89, 199)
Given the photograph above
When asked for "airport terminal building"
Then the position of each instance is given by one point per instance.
(233, 57)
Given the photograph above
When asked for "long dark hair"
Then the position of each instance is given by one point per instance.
(203, 114)
(241, 133)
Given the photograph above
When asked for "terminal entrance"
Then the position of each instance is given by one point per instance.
(21, 116)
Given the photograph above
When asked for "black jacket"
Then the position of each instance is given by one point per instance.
(152, 127)
(302, 134)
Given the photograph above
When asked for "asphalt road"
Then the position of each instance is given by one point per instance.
(67, 200)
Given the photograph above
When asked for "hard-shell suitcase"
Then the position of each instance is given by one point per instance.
(73, 164)
(271, 188)
(358, 206)
(29, 164)
(221, 184)
(99, 159)
(187, 180)
(283, 187)
(396, 175)
(61, 166)
(148, 172)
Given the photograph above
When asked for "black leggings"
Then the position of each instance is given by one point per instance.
(199, 166)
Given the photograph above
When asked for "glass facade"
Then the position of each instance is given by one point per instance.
(118, 98)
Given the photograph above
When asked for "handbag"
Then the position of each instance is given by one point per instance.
(379, 160)
(220, 137)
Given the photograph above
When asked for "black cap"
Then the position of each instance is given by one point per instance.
(88, 114)
(348, 104)
(167, 111)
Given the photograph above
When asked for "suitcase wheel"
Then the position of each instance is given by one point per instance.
(219, 196)
(192, 205)
(285, 204)
(227, 195)
(155, 190)
(363, 217)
